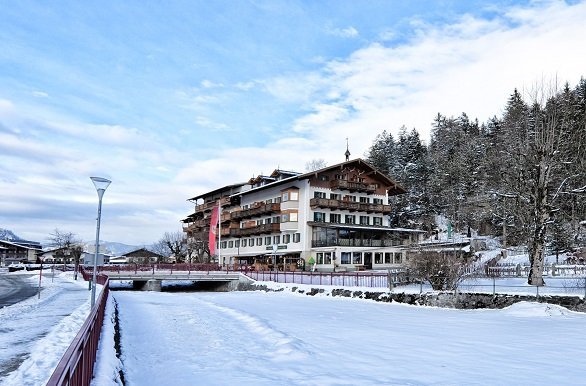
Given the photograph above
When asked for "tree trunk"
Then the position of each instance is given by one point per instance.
(540, 218)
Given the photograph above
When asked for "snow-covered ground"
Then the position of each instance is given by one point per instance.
(259, 338)
(35, 333)
(285, 338)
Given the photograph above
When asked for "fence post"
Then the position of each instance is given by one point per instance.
(537, 291)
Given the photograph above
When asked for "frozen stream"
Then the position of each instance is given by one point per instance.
(258, 338)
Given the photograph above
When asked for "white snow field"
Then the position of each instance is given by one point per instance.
(284, 338)
(35, 333)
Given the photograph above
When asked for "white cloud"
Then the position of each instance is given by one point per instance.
(40, 94)
(209, 84)
(209, 124)
(469, 66)
(348, 32)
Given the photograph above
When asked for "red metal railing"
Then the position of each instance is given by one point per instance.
(346, 279)
(77, 364)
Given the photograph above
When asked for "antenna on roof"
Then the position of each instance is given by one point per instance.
(347, 154)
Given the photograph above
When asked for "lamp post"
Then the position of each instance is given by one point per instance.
(101, 185)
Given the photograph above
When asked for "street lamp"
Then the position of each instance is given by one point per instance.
(101, 185)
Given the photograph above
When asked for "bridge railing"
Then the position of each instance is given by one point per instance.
(347, 279)
(159, 267)
(77, 364)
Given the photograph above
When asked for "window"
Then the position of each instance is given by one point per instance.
(378, 257)
(294, 196)
(268, 220)
(319, 217)
(345, 258)
(378, 221)
(277, 239)
(259, 241)
(223, 245)
(319, 194)
(293, 216)
(335, 218)
(276, 219)
(320, 257)
(245, 206)
(350, 198)
(244, 241)
(231, 244)
(350, 219)
(285, 196)
(296, 237)
(365, 200)
(364, 220)
(324, 257)
(267, 240)
(323, 177)
(259, 222)
(237, 243)
(377, 201)
(269, 201)
(277, 199)
(285, 217)
(286, 238)
(388, 258)
(398, 257)
(356, 258)
(335, 196)
(340, 176)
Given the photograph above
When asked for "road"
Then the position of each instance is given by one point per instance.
(15, 288)
(36, 331)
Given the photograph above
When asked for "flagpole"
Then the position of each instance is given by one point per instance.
(220, 231)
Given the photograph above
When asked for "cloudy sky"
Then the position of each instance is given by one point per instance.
(171, 99)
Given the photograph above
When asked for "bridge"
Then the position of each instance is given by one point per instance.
(150, 277)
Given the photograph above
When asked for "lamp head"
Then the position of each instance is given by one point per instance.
(101, 184)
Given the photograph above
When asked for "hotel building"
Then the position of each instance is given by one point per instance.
(332, 219)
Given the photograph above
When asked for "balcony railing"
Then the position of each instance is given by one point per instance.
(349, 205)
(355, 243)
(259, 210)
(210, 205)
(257, 230)
(353, 186)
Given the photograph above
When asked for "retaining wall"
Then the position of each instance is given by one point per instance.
(461, 300)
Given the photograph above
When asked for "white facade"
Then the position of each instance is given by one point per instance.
(335, 218)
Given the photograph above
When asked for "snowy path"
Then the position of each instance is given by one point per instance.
(35, 333)
(288, 339)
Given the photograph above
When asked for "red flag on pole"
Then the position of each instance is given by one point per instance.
(213, 227)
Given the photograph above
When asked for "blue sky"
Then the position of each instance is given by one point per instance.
(171, 99)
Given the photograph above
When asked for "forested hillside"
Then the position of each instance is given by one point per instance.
(521, 175)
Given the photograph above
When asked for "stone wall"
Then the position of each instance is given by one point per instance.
(461, 300)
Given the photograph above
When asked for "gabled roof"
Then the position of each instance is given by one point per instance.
(141, 252)
(26, 245)
(227, 189)
(393, 190)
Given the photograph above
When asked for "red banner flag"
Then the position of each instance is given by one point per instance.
(213, 229)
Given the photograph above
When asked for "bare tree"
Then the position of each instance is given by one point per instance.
(67, 244)
(175, 244)
(315, 164)
(443, 270)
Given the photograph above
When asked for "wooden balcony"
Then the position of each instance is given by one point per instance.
(259, 210)
(224, 201)
(257, 230)
(349, 206)
(352, 186)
